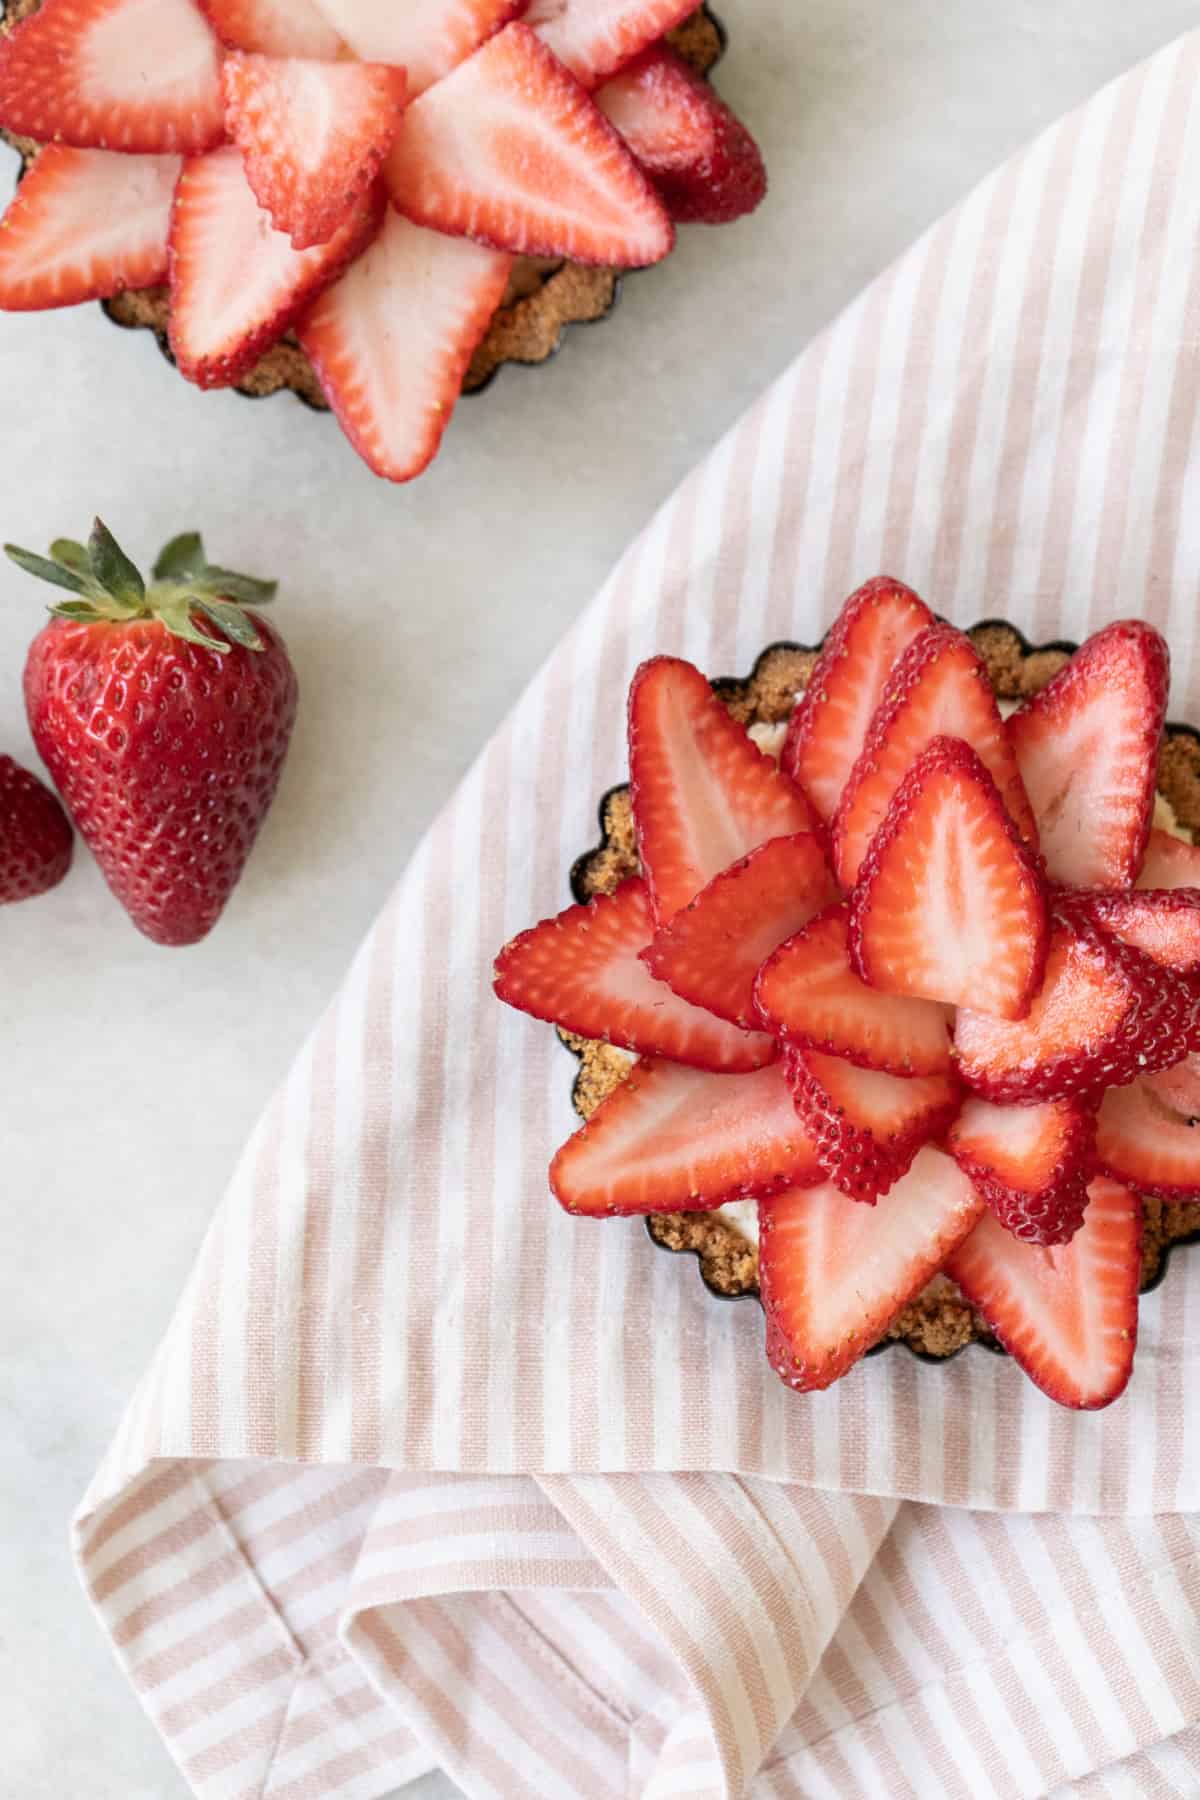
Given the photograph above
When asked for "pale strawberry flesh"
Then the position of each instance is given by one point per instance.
(510, 151)
(273, 27)
(704, 795)
(391, 341)
(595, 37)
(237, 284)
(711, 950)
(829, 725)
(1068, 1312)
(583, 970)
(1032, 1164)
(140, 76)
(1169, 862)
(939, 688)
(1145, 1136)
(1104, 1014)
(1087, 747)
(704, 164)
(834, 1275)
(949, 904)
(866, 1125)
(426, 39)
(312, 135)
(85, 225)
(1179, 1086)
(672, 1139)
(808, 993)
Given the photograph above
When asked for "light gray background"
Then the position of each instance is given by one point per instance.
(129, 1075)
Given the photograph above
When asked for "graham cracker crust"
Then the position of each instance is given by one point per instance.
(543, 298)
(939, 1323)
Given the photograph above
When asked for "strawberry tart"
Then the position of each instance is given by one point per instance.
(372, 205)
(885, 981)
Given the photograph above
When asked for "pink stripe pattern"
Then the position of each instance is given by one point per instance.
(426, 1473)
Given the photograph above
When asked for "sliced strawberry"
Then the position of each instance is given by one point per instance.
(273, 27)
(939, 688)
(702, 160)
(1164, 923)
(313, 135)
(867, 1126)
(84, 225)
(1179, 1086)
(1146, 1137)
(1169, 862)
(949, 904)
(710, 951)
(427, 39)
(1087, 748)
(582, 970)
(1105, 1013)
(595, 37)
(236, 283)
(1030, 1163)
(509, 150)
(834, 1275)
(1066, 1312)
(133, 75)
(392, 339)
(704, 795)
(825, 737)
(672, 1139)
(808, 993)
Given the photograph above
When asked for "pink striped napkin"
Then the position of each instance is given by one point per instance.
(424, 1470)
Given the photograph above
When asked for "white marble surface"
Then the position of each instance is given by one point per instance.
(131, 1075)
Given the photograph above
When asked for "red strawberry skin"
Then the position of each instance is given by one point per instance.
(707, 168)
(949, 903)
(1032, 1164)
(583, 971)
(167, 758)
(36, 840)
(1105, 1013)
(827, 729)
(1087, 747)
(1164, 923)
(711, 950)
(867, 1126)
(939, 688)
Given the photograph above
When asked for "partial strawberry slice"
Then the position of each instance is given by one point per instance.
(392, 339)
(711, 950)
(1164, 923)
(867, 1126)
(702, 160)
(825, 737)
(509, 150)
(582, 970)
(273, 27)
(84, 225)
(1179, 1086)
(704, 795)
(313, 135)
(834, 1275)
(1145, 1137)
(939, 688)
(1066, 1312)
(426, 39)
(949, 904)
(1169, 862)
(133, 75)
(595, 37)
(1105, 1014)
(236, 283)
(1030, 1163)
(1087, 748)
(671, 1139)
(808, 993)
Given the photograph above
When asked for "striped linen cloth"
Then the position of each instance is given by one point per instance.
(426, 1472)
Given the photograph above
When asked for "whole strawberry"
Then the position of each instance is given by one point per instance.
(35, 835)
(163, 713)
